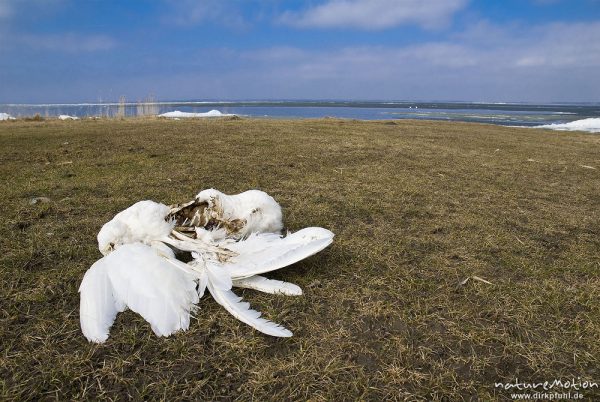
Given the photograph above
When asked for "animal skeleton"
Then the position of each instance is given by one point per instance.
(232, 240)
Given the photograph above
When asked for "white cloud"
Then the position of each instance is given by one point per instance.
(68, 42)
(5, 10)
(486, 62)
(375, 14)
(488, 47)
(550, 62)
(546, 2)
(13, 11)
(193, 12)
(11, 8)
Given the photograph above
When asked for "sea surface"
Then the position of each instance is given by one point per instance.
(509, 114)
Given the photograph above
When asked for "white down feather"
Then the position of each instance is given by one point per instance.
(265, 252)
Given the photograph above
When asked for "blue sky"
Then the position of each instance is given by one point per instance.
(87, 50)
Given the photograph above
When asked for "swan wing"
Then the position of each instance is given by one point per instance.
(149, 285)
(264, 252)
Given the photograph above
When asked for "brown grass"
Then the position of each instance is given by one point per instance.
(417, 207)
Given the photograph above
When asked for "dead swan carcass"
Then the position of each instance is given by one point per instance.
(231, 241)
(218, 215)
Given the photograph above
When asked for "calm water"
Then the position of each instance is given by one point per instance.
(520, 114)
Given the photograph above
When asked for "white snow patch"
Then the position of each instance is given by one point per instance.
(178, 114)
(591, 125)
(6, 116)
(67, 117)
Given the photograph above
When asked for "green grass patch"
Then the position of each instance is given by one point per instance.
(417, 207)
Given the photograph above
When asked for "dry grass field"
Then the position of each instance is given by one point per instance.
(417, 208)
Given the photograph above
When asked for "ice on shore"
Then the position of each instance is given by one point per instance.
(67, 117)
(178, 114)
(6, 116)
(591, 125)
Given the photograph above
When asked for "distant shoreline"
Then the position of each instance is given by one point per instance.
(589, 125)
